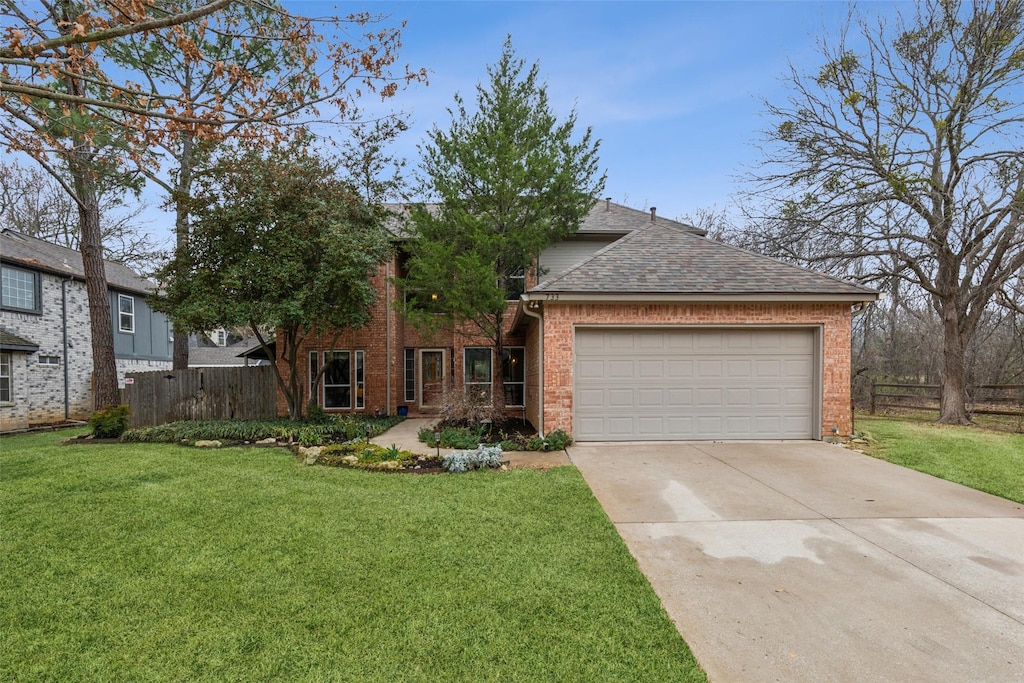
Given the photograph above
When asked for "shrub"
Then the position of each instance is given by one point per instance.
(558, 440)
(334, 430)
(484, 457)
(316, 414)
(461, 410)
(110, 422)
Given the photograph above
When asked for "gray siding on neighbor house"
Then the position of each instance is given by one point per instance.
(561, 256)
(152, 338)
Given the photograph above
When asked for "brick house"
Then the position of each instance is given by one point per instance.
(45, 337)
(638, 328)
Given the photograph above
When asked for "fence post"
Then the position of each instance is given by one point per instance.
(872, 397)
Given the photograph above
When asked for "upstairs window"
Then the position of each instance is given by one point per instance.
(515, 284)
(19, 290)
(126, 313)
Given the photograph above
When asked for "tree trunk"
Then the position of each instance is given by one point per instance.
(953, 398)
(183, 188)
(101, 325)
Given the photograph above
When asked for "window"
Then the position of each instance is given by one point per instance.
(478, 373)
(515, 284)
(49, 360)
(410, 375)
(19, 289)
(514, 375)
(360, 379)
(337, 379)
(314, 368)
(5, 377)
(126, 313)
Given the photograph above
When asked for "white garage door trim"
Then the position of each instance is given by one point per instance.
(685, 382)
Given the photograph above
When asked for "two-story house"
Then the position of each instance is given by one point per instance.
(45, 338)
(637, 327)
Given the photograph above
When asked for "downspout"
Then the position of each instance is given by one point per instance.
(528, 310)
(388, 365)
(64, 334)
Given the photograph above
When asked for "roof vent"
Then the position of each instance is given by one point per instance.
(607, 203)
(653, 210)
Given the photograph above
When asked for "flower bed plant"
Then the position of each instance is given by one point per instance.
(470, 437)
(332, 430)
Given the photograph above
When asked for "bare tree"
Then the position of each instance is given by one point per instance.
(908, 155)
(33, 203)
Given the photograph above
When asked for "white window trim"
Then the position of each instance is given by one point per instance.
(7, 363)
(329, 358)
(121, 314)
(487, 388)
(359, 379)
(522, 384)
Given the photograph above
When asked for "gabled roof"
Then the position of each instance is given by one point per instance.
(668, 260)
(12, 342)
(605, 217)
(35, 254)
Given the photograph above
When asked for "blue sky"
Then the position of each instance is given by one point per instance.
(672, 89)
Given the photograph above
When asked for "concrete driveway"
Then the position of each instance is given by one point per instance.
(803, 561)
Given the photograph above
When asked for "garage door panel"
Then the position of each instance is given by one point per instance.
(693, 383)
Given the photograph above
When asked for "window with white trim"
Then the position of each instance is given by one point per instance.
(410, 375)
(126, 313)
(515, 284)
(49, 360)
(5, 377)
(314, 369)
(360, 379)
(513, 374)
(477, 374)
(20, 289)
(337, 379)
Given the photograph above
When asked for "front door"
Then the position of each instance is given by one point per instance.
(431, 377)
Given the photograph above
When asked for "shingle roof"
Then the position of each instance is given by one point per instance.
(12, 342)
(218, 355)
(664, 259)
(604, 217)
(38, 254)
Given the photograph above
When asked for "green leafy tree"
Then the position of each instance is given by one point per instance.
(907, 155)
(277, 241)
(510, 179)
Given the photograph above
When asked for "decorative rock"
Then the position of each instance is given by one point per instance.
(350, 460)
(269, 441)
(388, 465)
(309, 455)
(208, 444)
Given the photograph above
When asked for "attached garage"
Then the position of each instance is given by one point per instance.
(695, 383)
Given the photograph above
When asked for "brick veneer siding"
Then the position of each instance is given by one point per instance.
(372, 339)
(560, 321)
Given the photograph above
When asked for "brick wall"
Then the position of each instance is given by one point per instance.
(559, 337)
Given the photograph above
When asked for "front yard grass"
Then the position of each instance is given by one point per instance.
(985, 460)
(161, 562)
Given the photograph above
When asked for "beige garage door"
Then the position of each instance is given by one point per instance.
(694, 383)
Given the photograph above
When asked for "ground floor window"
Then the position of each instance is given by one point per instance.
(514, 375)
(410, 375)
(314, 372)
(5, 377)
(478, 372)
(337, 379)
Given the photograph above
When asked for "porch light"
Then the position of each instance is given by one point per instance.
(433, 297)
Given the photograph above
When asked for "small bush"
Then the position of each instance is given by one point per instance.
(334, 430)
(484, 457)
(110, 422)
(558, 440)
(316, 414)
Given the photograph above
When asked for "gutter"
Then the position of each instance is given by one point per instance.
(64, 334)
(526, 308)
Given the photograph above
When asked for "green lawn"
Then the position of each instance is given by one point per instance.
(985, 460)
(160, 562)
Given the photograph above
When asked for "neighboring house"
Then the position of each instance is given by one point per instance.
(240, 355)
(638, 328)
(45, 337)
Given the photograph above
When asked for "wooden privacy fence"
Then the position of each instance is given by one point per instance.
(239, 393)
(983, 399)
